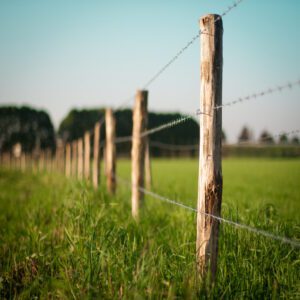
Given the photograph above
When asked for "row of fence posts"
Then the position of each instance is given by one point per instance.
(74, 158)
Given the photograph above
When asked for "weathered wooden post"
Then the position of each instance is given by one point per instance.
(74, 159)
(87, 154)
(68, 160)
(110, 151)
(59, 156)
(148, 170)
(96, 155)
(48, 156)
(210, 168)
(140, 120)
(80, 159)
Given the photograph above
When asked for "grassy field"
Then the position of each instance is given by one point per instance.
(60, 239)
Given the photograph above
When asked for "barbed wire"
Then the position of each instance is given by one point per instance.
(255, 230)
(166, 125)
(155, 129)
(180, 120)
(188, 44)
(262, 93)
(166, 66)
(230, 7)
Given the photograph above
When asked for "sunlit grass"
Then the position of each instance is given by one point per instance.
(59, 238)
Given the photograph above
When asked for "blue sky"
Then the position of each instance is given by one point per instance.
(61, 54)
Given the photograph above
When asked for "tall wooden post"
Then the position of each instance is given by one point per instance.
(74, 159)
(96, 155)
(68, 160)
(148, 170)
(110, 151)
(210, 168)
(80, 159)
(140, 120)
(87, 153)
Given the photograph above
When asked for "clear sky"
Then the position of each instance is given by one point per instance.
(61, 54)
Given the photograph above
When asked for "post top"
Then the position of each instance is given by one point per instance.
(210, 18)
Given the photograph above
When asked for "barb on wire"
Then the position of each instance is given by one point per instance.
(267, 234)
(166, 125)
(265, 92)
(231, 7)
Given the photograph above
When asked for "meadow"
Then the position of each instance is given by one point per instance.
(61, 239)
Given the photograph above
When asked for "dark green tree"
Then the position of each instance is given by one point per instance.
(266, 138)
(283, 139)
(245, 135)
(27, 126)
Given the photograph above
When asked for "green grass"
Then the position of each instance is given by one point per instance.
(60, 239)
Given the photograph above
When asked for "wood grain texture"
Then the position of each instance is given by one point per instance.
(210, 168)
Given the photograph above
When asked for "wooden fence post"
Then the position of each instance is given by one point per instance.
(140, 120)
(74, 159)
(59, 156)
(210, 168)
(80, 159)
(68, 160)
(42, 161)
(87, 155)
(96, 155)
(110, 151)
(148, 170)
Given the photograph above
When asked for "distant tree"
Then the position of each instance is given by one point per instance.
(77, 122)
(27, 126)
(266, 138)
(295, 140)
(283, 139)
(245, 135)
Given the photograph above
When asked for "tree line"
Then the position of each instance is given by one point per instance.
(246, 135)
(29, 127)
(34, 130)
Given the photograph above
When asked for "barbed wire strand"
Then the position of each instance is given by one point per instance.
(188, 44)
(262, 93)
(155, 129)
(255, 230)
